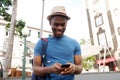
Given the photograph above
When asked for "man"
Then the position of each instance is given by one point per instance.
(60, 50)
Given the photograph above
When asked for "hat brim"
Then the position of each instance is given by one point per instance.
(58, 14)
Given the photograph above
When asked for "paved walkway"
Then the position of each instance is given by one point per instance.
(87, 76)
(28, 78)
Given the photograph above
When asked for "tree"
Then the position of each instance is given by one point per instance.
(85, 42)
(15, 27)
(4, 7)
(19, 25)
(8, 55)
(89, 61)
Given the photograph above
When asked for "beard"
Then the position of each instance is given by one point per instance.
(58, 33)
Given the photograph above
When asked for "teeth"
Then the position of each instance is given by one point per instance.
(58, 30)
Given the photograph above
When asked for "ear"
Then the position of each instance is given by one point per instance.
(50, 22)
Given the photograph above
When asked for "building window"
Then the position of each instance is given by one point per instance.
(96, 5)
(116, 12)
(119, 54)
(98, 19)
(102, 40)
(38, 34)
(49, 35)
(7, 33)
(29, 32)
(119, 30)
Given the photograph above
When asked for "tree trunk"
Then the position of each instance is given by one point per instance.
(8, 56)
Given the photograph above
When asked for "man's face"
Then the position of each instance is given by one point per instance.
(58, 24)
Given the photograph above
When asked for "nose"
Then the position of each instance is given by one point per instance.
(59, 27)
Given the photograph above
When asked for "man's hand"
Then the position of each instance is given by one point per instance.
(76, 69)
(56, 68)
(69, 70)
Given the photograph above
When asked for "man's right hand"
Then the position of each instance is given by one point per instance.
(56, 68)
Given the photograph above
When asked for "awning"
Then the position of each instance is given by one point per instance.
(88, 50)
(107, 60)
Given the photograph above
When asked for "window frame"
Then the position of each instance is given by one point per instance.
(98, 19)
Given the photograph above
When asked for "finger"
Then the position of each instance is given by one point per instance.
(69, 70)
(66, 72)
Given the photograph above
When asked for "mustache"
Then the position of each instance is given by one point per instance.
(59, 30)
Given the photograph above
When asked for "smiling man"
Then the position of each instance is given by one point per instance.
(61, 50)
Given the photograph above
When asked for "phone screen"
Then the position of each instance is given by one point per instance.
(65, 65)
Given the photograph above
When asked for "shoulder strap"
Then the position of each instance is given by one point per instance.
(44, 48)
(44, 45)
(44, 39)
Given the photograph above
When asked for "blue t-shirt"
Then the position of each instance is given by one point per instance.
(60, 50)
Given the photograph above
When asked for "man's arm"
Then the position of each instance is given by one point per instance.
(41, 70)
(38, 68)
(78, 64)
(74, 68)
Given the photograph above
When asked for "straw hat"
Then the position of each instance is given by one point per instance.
(58, 10)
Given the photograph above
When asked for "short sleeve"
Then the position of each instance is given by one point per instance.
(38, 48)
(77, 48)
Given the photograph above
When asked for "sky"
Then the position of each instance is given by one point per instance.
(77, 28)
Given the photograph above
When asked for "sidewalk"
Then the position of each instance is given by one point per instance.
(85, 76)
(18, 78)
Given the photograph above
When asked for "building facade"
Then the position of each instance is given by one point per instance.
(18, 47)
(104, 24)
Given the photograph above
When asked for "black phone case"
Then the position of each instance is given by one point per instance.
(65, 65)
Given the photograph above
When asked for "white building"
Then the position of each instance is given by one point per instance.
(18, 48)
(104, 24)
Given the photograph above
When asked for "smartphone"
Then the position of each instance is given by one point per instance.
(65, 65)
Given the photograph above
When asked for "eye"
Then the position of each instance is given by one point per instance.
(63, 24)
(56, 24)
(59, 24)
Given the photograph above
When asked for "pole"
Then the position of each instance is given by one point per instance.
(99, 62)
(104, 58)
(41, 29)
(24, 60)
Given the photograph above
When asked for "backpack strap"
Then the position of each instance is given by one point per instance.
(44, 49)
(44, 45)
(44, 39)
